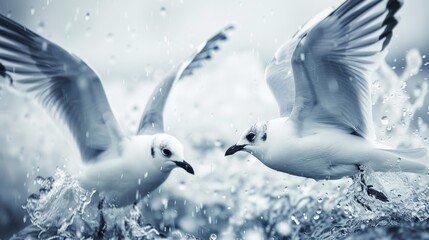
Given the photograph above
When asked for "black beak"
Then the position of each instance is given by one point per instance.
(233, 149)
(185, 166)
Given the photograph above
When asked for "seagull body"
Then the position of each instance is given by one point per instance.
(329, 153)
(121, 168)
(126, 177)
(320, 81)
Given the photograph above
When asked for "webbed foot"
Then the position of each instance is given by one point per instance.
(376, 194)
(370, 188)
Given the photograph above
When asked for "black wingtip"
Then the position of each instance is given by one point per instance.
(394, 5)
(2, 71)
(391, 21)
(222, 35)
(387, 40)
(3, 74)
(229, 28)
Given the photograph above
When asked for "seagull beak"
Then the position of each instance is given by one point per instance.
(234, 148)
(185, 166)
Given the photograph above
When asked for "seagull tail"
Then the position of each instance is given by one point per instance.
(405, 160)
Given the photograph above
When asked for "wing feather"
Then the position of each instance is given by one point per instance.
(67, 87)
(152, 120)
(279, 75)
(332, 62)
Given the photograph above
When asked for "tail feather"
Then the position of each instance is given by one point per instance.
(405, 160)
(413, 154)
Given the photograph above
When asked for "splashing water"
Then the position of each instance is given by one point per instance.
(59, 200)
(255, 202)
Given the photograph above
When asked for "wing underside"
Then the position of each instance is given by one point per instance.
(67, 88)
(152, 120)
(332, 63)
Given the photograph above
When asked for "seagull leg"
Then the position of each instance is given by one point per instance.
(102, 227)
(370, 189)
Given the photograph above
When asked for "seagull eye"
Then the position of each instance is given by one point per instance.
(251, 136)
(166, 152)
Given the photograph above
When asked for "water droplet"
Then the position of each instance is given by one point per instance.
(88, 32)
(376, 84)
(302, 57)
(295, 220)
(285, 188)
(112, 59)
(32, 11)
(338, 188)
(82, 197)
(139, 181)
(163, 11)
(316, 217)
(87, 16)
(319, 200)
(40, 26)
(384, 120)
(218, 143)
(213, 236)
(145, 174)
(414, 61)
(9, 14)
(109, 37)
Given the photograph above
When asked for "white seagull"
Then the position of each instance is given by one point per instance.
(326, 131)
(122, 167)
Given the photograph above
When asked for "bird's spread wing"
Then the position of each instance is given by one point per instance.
(332, 61)
(152, 120)
(67, 87)
(278, 73)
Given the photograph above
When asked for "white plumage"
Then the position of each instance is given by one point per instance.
(320, 82)
(122, 167)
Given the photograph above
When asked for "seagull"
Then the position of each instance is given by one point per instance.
(123, 168)
(320, 82)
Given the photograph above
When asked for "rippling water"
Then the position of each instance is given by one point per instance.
(250, 202)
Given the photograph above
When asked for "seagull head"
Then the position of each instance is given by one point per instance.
(167, 152)
(251, 141)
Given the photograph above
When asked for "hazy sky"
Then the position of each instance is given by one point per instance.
(132, 37)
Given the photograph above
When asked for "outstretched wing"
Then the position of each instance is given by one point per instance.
(67, 87)
(278, 73)
(152, 120)
(332, 61)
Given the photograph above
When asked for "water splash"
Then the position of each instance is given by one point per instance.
(59, 200)
(256, 202)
